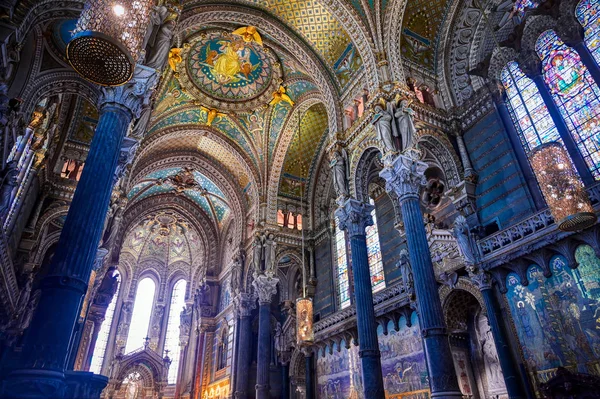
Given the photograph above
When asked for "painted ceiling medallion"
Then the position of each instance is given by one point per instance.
(224, 71)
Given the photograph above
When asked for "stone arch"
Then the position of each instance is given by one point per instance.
(463, 284)
(287, 133)
(437, 145)
(501, 56)
(534, 26)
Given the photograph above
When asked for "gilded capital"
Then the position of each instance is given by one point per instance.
(354, 216)
(404, 176)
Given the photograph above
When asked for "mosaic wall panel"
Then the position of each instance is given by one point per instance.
(557, 318)
(402, 362)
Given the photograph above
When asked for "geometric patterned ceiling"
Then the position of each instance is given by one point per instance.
(420, 26)
(190, 183)
(305, 145)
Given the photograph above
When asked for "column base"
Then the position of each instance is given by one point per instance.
(240, 395)
(43, 384)
(447, 395)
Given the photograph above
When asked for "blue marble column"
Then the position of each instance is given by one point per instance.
(40, 372)
(244, 304)
(533, 69)
(405, 176)
(310, 373)
(511, 375)
(266, 287)
(285, 380)
(354, 216)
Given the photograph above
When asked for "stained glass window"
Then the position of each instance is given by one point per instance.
(102, 340)
(140, 318)
(172, 340)
(374, 253)
(588, 12)
(527, 108)
(575, 93)
(342, 266)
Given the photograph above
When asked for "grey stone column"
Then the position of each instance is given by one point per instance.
(266, 287)
(244, 304)
(405, 176)
(354, 216)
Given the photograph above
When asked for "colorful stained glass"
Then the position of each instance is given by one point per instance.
(522, 5)
(528, 110)
(575, 93)
(102, 340)
(172, 339)
(343, 278)
(587, 13)
(374, 254)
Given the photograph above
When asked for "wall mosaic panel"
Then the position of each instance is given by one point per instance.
(557, 318)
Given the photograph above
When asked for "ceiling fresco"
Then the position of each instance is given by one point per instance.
(163, 236)
(190, 183)
(223, 71)
(305, 145)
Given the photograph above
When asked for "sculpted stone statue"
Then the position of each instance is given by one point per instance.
(406, 127)
(257, 253)
(406, 273)
(339, 167)
(203, 294)
(463, 239)
(113, 220)
(185, 319)
(7, 185)
(270, 254)
(383, 125)
(163, 18)
(28, 313)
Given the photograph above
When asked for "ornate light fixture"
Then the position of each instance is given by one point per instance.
(304, 321)
(107, 40)
(562, 188)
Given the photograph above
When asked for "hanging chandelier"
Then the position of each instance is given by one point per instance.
(562, 188)
(107, 40)
(304, 321)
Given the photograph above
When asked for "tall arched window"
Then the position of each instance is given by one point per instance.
(527, 108)
(341, 257)
(374, 253)
(223, 348)
(140, 318)
(588, 15)
(102, 340)
(172, 340)
(575, 93)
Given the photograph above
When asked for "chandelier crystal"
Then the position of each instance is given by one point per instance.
(304, 321)
(562, 188)
(108, 38)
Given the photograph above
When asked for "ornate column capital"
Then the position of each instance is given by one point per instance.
(404, 176)
(244, 304)
(266, 287)
(133, 94)
(354, 216)
(482, 279)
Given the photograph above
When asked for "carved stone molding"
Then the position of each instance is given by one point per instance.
(404, 176)
(265, 287)
(354, 217)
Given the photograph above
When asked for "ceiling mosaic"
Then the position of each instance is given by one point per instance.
(420, 27)
(314, 23)
(86, 119)
(305, 144)
(163, 236)
(224, 71)
(184, 181)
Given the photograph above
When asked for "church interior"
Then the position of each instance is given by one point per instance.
(299, 199)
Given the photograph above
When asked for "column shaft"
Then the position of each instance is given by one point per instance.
(264, 351)
(243, 363)
(310, 372)
(511, 375)
(285, 381)
(354, 217)
(199, 366)
(442, 377)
